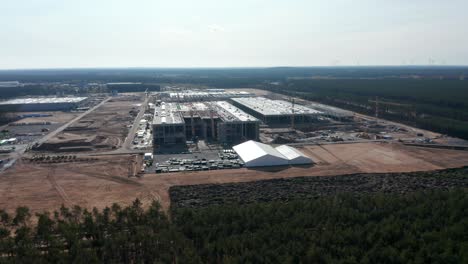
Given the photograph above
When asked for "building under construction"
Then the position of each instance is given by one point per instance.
(220, 121)
(277, 111)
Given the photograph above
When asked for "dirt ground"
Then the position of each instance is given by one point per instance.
(101, 130)
(88, 183)
(57, 117)
(102, 182)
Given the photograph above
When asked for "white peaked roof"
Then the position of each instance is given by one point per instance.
(256, 154)
(293, 155)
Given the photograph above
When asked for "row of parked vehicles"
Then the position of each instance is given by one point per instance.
(227, 160)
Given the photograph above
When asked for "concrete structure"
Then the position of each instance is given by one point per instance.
(256, 154)
(41, 104)
(276, 111)
(168, 125)
(219, 121)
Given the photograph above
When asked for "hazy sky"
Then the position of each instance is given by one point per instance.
(235, 33)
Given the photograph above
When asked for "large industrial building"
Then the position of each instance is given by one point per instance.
(41, 104)
(332, 112)
(175, 123)
(199, 95)
(276, 111)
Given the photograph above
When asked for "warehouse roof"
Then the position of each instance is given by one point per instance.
(208, 93)
(173, 113)
(268, 107)
(330, 110)
(231, 113)
(43, 100)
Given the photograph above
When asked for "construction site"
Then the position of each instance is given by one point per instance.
(214, 121)
(102, 130)
(115, 148)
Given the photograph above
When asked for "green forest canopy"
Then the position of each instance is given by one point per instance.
(421, 227)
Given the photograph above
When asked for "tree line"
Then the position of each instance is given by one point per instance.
(438, 105)
(420, 227)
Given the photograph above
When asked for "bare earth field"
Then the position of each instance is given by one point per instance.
(57, 117)
(102, 181)
(101, 130)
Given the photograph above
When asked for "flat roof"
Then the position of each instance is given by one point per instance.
(331, 110)
(167, 113)
(173, 113)
(212, 93)
(268, 107)
(230, 113)
(43, 100)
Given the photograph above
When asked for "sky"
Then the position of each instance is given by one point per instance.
(236, 33)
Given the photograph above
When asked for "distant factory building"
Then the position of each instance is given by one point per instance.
(175, 123)
(41, 104)
(276, 111)
(332, 112)
(122, 87)
(10, 84)
(256, 154)
(205, 95)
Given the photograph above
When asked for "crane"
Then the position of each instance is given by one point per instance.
(378, 102)
(292, 113)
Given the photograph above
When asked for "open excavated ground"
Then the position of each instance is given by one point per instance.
(101, 130)
(102, 181)
(88, 182)
(56, 117)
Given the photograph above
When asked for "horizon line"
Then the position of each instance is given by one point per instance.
(234, 67)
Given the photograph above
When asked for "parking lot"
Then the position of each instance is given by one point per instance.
(200, 161)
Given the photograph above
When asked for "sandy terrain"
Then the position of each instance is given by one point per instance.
(57, 117)
(99, 183)
(101, 130)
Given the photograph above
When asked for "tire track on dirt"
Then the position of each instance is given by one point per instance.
(57, 187)
(107, 177)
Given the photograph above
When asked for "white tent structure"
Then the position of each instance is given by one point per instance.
(294, 156)
(256, 154)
